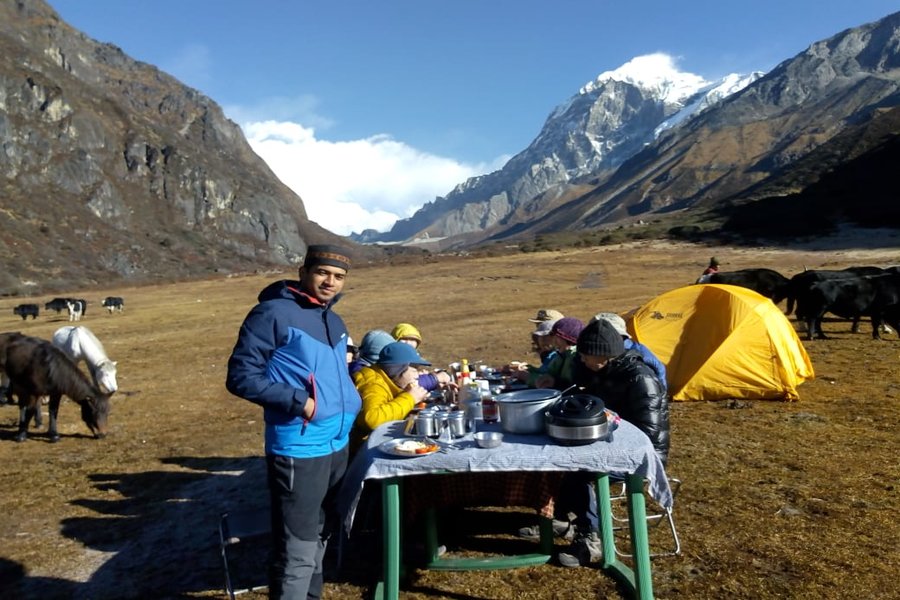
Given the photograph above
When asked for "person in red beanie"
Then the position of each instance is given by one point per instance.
(560, 372)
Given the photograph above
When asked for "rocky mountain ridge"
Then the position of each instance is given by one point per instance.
(704, 158)
(113, 170)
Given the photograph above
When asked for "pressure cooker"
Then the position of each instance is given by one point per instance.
(577, 419)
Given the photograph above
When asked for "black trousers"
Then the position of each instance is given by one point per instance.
(303, 493)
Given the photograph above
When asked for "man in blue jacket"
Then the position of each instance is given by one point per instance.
(291, 359)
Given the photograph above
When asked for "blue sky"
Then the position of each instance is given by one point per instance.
(370, 108)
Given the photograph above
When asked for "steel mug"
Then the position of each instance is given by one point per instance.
(457, 422)
(426, 424)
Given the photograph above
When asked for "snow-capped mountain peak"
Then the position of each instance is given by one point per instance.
(653, 72)
(706, 97)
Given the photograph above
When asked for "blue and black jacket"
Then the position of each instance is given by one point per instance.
(290, 348)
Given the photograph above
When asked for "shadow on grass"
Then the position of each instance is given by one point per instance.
(157, 535)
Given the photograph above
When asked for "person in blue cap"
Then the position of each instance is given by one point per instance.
(389, 389)
(291, 358)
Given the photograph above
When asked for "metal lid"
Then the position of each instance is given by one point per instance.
(529, 395)
(577, 409)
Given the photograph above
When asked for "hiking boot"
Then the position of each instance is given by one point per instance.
(562, 529)
(583, 551)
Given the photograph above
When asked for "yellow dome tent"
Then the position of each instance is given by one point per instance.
(722, 341)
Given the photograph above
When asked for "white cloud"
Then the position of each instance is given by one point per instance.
(355, 185)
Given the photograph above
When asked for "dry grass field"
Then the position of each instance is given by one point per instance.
(780, 500)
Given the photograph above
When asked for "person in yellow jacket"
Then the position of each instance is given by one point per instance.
(389, 389)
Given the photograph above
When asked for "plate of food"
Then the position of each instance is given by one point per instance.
(409, 448)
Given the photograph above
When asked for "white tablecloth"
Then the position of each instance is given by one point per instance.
(629, 451)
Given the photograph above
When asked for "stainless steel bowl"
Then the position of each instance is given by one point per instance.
(488, 439)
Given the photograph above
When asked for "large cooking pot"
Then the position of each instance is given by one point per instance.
(577, 419)
(523, 411)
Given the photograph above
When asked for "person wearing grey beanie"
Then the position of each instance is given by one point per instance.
(629, 387)
(627, 384)
(600, 339)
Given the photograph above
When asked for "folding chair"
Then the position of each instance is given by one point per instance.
(244, 526)
(653, 518)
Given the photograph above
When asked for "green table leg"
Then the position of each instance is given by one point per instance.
(604, 508)
(639, 580)
(390, 518)
(637, 525)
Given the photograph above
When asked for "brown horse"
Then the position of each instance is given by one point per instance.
(5, 340)
(36, 368)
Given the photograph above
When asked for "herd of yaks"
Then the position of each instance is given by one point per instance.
(76, 307)
(850, 293)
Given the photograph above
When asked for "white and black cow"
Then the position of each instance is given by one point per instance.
(27, 310)
(114, 303)
(76, 309)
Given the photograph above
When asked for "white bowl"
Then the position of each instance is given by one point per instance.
(488, 439)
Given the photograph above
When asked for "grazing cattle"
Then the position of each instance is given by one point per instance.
(57, 304)
(80, 344)
(802, 282)
(27, 310)
(37, 368)
(766, 282)
(61, 304)
(877, 297)
(114, 303)
(76, 309)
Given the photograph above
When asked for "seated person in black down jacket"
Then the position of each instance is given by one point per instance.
(628, 386)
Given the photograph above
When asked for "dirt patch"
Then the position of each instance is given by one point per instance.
(779, 499)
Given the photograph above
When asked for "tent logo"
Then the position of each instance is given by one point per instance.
(659, 316)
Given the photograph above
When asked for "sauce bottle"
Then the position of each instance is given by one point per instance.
(490, 412)
(465, 376)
